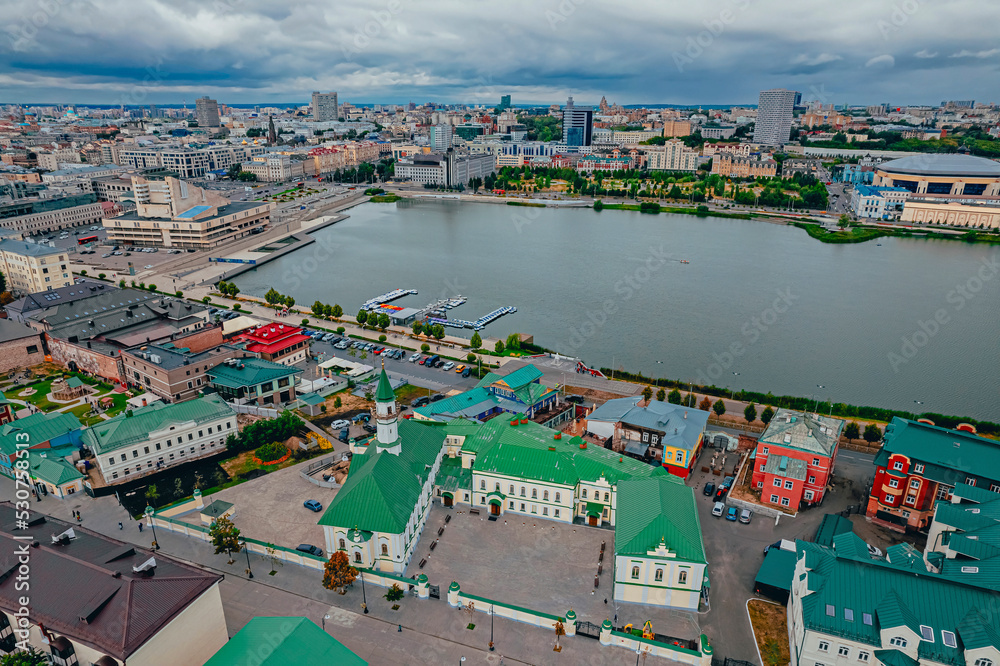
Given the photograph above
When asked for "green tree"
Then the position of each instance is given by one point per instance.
(152, 494)
(471, 358)
(598, 205)
(3, 282)
(438, 332)
(514, 341)
(272, 296)
(872, 433)
(383, 321)
(852, 430)
(395, 593)
(29, 657)
(271, 557)
(750, 413)
(362, 317)
(498, 347)
(178, 488)
(318, 308)
(382, 338)
(289, 301)
(661, 395)
(337, 311)
(719, 407)
(225, 536)
(674, 397)
(425, 348)
(647, 393)
(337, 402)
(767, 415)
(477, 341)
(417, 328)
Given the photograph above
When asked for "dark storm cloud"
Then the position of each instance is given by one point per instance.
(906, 51)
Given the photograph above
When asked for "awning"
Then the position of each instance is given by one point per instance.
(595, 509)
(495, 502)
(448, 495)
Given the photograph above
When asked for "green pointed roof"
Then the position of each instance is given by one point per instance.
(385, 392)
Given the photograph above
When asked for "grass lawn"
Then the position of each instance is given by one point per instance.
(39, 398)
(408, 393)
(244, 463)
(770, 629)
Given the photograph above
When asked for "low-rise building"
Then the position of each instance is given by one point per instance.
(660, 433)
(963, 533)
(269, 168)
(254, 381)
(676, 128)
(23, 307)
(801, 166)
(95, 600)
(795, 457)
(519, 392)
(851, 607)
(966, 215)
(20, 346)
(172, 370)
(920, 464)
(592, 163)
(32, 267)
(878, 203)
(672, 156)
(149, 439)
(172, 213)
(280, 641)
(50, 443)
(37, 216)
(279, 343)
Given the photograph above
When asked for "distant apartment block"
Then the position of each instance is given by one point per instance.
(734, 166)
(172, 213)
(774, 117)
(741, 149)
(269, 168)
(441, 137)
(51, 161)
(878, 203)
(207, 112)
(718, 132)
(672, 156)
(672, 128)
(30, 267)
(324, 106)
(446, 169)
(801, 166)
(188, 162)
(933, 211)
(37, 216)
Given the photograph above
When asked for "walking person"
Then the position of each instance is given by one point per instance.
(120, 526)
(140, 526)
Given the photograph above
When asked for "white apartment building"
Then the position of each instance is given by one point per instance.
(774, 117)
(30, 267)
(58, 218)
(269, 168)
(50, 161)
(324, 106)
(152, 438)
(188, 162)
(672, 156)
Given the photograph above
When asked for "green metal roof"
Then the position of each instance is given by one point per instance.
(249, 372)
(659, 508)
(130, 428)
(832, 525)
(947, 449)
(312, 399)
(383, 488)
(74, 382)
(595, 509)
(384, 392)
(279, 641)
(54, 470)
(895, 658)
(515, 380)
(777, 569)
(881, 594)
(39, 428)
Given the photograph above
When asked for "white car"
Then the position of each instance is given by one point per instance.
(413, 359)
(94, 228)
(340, 423)
(147, 266)
(448, 366)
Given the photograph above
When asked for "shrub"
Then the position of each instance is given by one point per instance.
(340, 330)
(305, 322)
(152, 287)
(102, 275)
(471, 358)
(179, 294)
(83, 272)
(236, 306)
(381, 338)
(270, 452)
(425, 347)
(205, 300)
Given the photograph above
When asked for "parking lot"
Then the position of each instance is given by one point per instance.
(514, 558)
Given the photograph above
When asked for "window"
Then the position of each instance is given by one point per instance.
(764, 450)
(482, 484)
(926, 633)
(948, 638)
(545, 510)
(522, 491)
(357, 557)
(784, 501)
(777, 483)
(898, 641)
(682, 578)
(774, 499)
(157, 446)
(914, 483)
(645, 436)
(584, 493)
(557, 500)
(760, 484)
(635, 573)
(867, 618)
(808, 494)
(762, 468)
(823, 645)
(849, 614)
(511, 490)
(893, 483)
(145, 450)
(911, 499)
(124, 457)
(522, 506)
(534, 493)
(135, 453)
(342, 545)
(545, 496)
(497, 487)
(843, 651)
(898, 465)
(385, 550)
(815, 462)
(658, 576)
(812, 479)
(863, 656)
(944, 492)
(983, 661)
(888, 499)
(789, 485)
(680, 456)
(918, 468)
(995, 487)
(557, 513)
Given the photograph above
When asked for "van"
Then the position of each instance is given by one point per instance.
(431, 360)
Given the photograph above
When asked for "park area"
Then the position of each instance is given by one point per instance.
(51, 389)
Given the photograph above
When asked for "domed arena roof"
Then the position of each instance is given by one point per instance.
(954, 165)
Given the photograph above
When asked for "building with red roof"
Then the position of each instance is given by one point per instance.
(278, 343)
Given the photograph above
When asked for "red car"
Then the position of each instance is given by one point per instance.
(422, 359)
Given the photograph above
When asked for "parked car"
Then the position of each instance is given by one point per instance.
(343, 344)
(720, 493)
(431, 360)
(313, 505)
(436, 397)
(460, 369)
(576, 399)
(343, 435)
(309, 549)
(727, 483)
(466, 372)
(369, 427)
(709, 488)
(147, 266)
(731, 513)
(422, 361)
(340, 423)
(327, 337)
(746, 515)
(718, 509)
(448, 366)
(438, 363)
(421, 401)
(105, 255)
(873, 551)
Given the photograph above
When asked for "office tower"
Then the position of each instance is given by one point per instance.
(774, 117)
(504, 102)
(324, 106)
(578, 124)
(441, 137)
(206, 112)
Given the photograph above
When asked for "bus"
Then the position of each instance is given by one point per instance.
(83, 240)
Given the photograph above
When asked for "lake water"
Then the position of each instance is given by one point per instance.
(908, 320)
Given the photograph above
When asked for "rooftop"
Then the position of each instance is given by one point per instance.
(86, 588)
(803, 431)
(930, 164)
(67, 294)
(12, 330)
(278, 641)
(249, 372)
(170, 357)
(954, 454)
(657, 510)
(140, 425)
(29, 249)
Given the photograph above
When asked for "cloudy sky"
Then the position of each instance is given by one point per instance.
(472, 51)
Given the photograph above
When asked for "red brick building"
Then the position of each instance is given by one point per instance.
(794, 458)
(920, 464)
(278, 343)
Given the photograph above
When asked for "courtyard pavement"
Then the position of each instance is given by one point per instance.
(534, 563)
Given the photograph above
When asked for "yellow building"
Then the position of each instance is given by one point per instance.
(734, 166)
(951, 214)
(31, 267)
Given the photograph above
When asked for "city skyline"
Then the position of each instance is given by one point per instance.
(243, 52)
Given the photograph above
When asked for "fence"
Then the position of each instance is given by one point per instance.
(458, 598)
(254, 410)
(318, 465)
(745, 427)
(639, 645)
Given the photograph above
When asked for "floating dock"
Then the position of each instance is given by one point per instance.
(373, 303)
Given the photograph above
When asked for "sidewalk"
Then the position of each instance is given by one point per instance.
(433, 632)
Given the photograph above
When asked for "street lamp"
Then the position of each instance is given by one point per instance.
(325, 618)
(246, 550)
(152, 525)
(491, 628)
(462, 660)
(364, 596)
(733, 392)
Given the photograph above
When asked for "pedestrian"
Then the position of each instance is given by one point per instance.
(140, 526)
(605, 601)
(399, 628)
(120, 526)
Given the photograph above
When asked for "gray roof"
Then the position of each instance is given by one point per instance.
(783, 466)
(67, 294)
(29, 249)
(613, 410)
(681, 426)
(11, 330)
(173, 355)
(803, 431)
(943, 165)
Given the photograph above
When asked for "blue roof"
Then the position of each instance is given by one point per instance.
(871, 191)
(193, 212)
